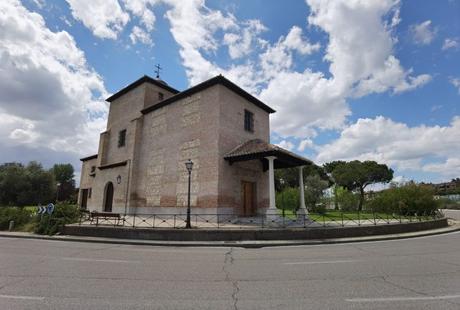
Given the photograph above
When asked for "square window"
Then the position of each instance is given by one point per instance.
(248, 121)
(122, 138)
(161, 96)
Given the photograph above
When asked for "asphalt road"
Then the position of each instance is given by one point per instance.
(420, 273)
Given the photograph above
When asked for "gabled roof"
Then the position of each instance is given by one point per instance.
(206, 84)
(144, 79)
(259, 149)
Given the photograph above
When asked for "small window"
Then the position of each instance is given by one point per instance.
(161, 96)
(122, 138)
(93, 169)
(248, 121)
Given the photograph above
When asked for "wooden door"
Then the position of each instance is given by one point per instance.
(108, 197)
(248, 198)
(84, 198)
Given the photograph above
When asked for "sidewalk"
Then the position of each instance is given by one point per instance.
(454, 226)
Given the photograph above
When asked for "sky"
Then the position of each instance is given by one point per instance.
(349, 79)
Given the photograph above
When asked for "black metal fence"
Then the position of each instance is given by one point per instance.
(230, 221)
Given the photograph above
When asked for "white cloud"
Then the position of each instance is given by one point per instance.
(295, 41)
(455, 82)
(144, 10)
(423, 33)
(305, 144)
(105, 18)
(398, 145)
(140, 35)
(450, 43)
(288, 145)
(49, 98)
(303, 98)
(278, 57)
(241, 44)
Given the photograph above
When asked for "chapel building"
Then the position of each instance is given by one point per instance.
(153, 129)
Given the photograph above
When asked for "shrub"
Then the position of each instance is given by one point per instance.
(288, 199)
(319, 208)
(409, 199)
(20, 216)
(63, 214)
(446, 203)
(348, 201)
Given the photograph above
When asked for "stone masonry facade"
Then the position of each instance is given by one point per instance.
(163, 129)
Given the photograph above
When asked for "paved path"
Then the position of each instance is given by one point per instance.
(418, 273)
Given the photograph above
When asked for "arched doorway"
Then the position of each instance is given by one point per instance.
(108, 197)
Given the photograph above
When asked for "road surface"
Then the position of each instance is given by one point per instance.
(420, 273)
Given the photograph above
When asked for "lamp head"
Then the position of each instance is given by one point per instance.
(189, 165)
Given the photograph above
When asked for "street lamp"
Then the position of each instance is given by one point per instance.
(189, 166)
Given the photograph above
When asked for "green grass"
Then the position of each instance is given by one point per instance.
(333, 215)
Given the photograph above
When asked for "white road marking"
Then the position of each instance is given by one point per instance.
(22, 297)
(402, 298)
(323, 262)
(80, 259)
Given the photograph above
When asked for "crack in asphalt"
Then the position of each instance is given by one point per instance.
(227, 263)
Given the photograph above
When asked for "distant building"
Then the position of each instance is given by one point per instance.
(153, 129)
(452, 187)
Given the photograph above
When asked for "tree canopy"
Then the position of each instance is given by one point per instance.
(356, 175)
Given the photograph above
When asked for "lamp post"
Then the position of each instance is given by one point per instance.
(189, 166)
(57, 191)
(282, 197)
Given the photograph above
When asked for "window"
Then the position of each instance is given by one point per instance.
(161, 96)
(122, 138)
(93, 169)
(248, 121)
(89, 192)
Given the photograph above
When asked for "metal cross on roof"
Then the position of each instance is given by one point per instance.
(157, 70)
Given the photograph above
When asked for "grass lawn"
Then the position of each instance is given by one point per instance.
(333, 215)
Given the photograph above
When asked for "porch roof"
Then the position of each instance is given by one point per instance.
(259, 149)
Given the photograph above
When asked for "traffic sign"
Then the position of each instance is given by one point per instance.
(50, 208)
(41, 209)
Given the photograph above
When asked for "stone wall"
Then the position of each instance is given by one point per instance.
(186, 129)
(231, 134)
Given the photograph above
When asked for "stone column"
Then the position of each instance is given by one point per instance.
(302, 210)
(272, 212)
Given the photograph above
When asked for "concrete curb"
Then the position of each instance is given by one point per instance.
(453, 227)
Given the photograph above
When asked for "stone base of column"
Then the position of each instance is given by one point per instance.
(271, 216)
(302, 214)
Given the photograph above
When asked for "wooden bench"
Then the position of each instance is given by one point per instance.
(104, 215)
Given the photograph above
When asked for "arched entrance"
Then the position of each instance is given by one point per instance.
(108, 197)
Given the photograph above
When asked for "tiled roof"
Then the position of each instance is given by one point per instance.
(257, 148)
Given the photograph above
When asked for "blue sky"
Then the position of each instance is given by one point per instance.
(353, 79)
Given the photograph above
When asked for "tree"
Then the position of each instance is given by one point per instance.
(328, 168)
(64, 174)
(315, 186)
(25, 185)
(356, 175)
(291, 176)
